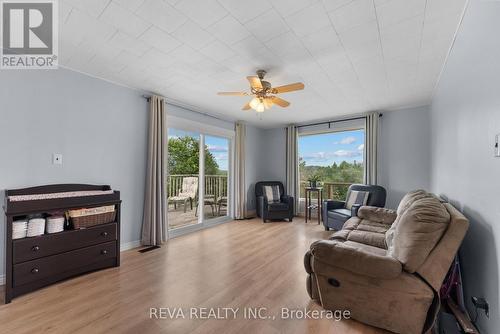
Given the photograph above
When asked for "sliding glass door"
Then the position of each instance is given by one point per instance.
(198, 177)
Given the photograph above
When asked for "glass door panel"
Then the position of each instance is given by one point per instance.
(183, 177)
(216, 177)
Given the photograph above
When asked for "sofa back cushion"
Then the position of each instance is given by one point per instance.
(418, 229)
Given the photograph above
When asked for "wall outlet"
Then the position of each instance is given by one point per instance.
(57, 159)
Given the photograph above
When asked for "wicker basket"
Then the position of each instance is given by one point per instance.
(83, 218)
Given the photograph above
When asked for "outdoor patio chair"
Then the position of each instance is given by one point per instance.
(188, 192)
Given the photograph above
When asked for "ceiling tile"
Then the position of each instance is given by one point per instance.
(186, 54)
(191, 34)
(267, 26)
(353, 14)
(130, 44)
(161, 14)
(204, 13)
(91, 7)
(287, 7)
(80, 26)
(217, 51)
(124, 20)
(229, 30)
(309, 20)
(244, 11)
(395, 11)
(155, 57)
(159, 39)
(131, 5)
(321, 40)
(335, 4)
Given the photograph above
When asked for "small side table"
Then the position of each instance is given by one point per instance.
(309, 206)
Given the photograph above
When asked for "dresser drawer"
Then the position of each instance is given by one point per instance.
(55, 265)
(49, 244)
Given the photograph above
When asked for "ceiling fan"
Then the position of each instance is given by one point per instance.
(264, 94)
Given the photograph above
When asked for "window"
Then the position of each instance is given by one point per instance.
(334, 158)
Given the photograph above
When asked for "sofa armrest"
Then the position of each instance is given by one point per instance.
(287, 199)
(376, 214)
(356, 260)
(355, 209)
(263, 206)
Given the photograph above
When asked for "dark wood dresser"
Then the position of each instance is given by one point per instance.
(34, 262)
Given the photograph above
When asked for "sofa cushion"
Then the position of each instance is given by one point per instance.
(404, 204)
(374, 239)
(377, 214)
(278, 206)
(355, 257)
(418, 230)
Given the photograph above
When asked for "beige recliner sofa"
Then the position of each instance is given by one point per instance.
(387, 267)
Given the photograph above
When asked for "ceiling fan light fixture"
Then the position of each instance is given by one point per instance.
(260, 108)
(254, 103)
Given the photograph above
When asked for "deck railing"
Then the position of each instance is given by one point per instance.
(215, 185)
(331, 190)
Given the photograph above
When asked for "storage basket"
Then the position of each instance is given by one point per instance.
(84, 218)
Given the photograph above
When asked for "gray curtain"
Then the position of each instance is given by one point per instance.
(292, 165)
(371, 142)
(239, 172)
(154, 223)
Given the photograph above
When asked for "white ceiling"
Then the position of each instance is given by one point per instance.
(352, 55)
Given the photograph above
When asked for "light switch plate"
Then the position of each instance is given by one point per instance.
(57, 159)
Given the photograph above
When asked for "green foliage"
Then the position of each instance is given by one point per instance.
(184, 157)
(345, 172)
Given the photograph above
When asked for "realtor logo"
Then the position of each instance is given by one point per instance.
(29, 34)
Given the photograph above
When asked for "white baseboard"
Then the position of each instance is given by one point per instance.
(129, 245)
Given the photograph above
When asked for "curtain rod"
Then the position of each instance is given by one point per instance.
(148, 98)
(335, 121)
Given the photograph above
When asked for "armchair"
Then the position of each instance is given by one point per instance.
(277, 210)
(335, 213)
(384, 264)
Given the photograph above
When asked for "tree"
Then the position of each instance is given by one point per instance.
(184, 157)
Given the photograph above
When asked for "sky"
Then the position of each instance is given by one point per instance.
(325, 149)
(218, 146)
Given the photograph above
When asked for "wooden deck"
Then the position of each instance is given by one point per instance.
(178, 218)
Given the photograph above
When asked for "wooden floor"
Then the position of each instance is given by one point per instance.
(238, 264)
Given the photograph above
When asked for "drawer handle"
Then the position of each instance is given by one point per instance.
(104, 234)
(104, 252)
(35, 248)
(34, 271)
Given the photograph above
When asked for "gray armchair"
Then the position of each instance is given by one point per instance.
(270, 211)
(335, 213)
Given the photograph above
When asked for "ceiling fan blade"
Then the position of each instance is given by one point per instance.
(246, 106)
(232, 93)
(288, 88)
(280, 102)
(255, 82)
